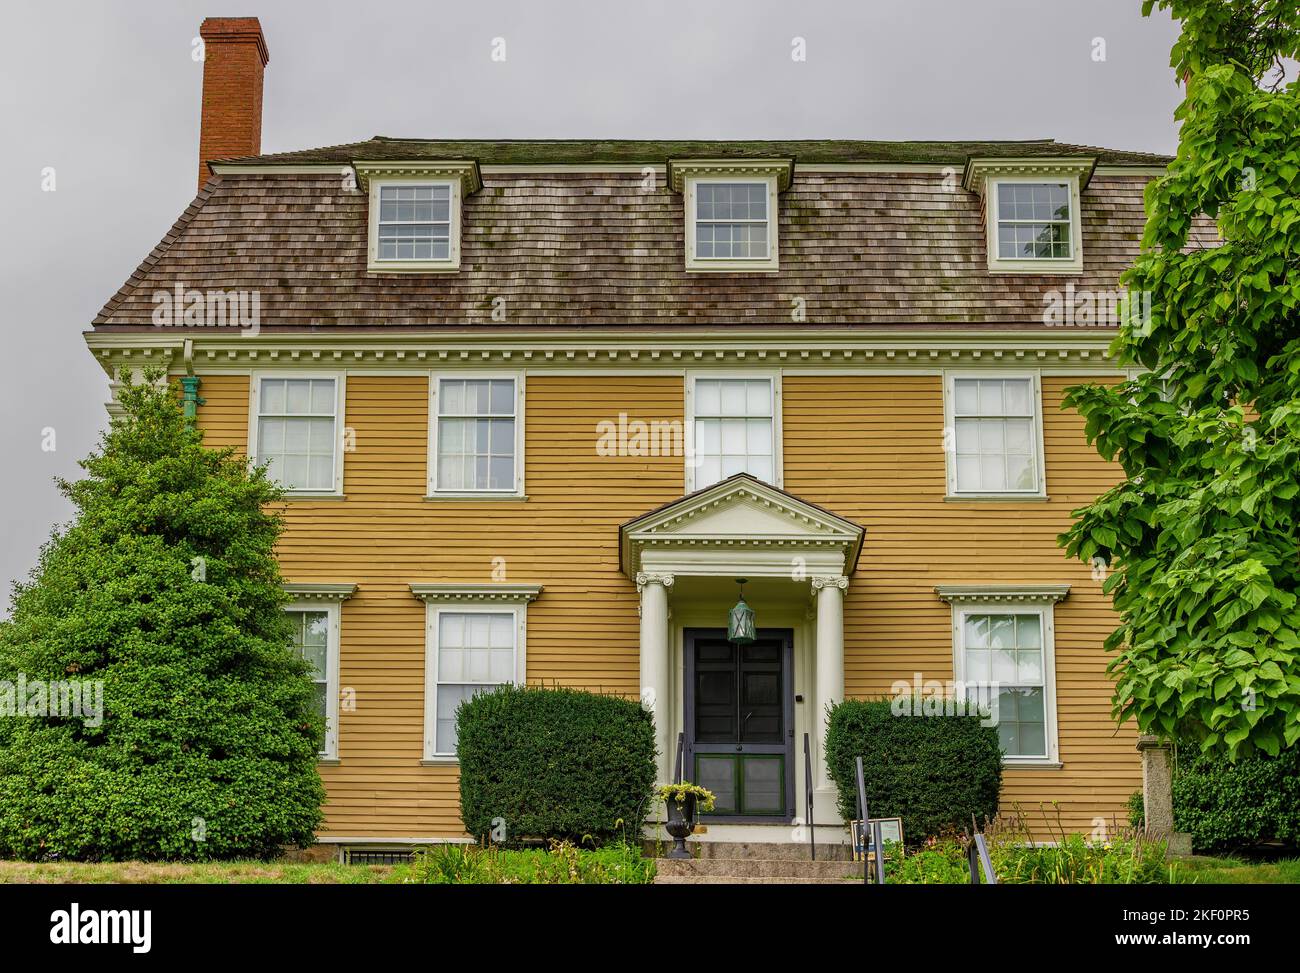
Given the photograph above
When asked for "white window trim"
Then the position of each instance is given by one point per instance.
(1028, 604)
(340, 393)
(431, 489)
(467, 599)
(688, 434)
(332, 689)
(768, 264)
(1072, 264)
(375, 265)
(950, 435)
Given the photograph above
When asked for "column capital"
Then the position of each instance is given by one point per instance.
(820, 581)
(644, 578)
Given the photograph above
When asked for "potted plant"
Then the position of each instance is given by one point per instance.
(683, 801)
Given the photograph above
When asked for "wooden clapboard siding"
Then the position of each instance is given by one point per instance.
(871, 448)
(582, 632)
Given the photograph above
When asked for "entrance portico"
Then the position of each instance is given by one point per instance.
(685, 558)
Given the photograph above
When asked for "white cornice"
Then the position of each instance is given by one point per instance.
(965, 594)
(216, 349)
(466, 171)
(492, 593)
(320, 590)
(978, 170)
(268, 169)
(679, 169)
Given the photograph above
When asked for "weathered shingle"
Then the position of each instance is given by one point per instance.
(575, 248)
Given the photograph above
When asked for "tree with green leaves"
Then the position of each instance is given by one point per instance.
(151, 705)
(1201, 538)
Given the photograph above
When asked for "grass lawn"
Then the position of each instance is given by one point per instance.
(168, 873)
(1236, 871)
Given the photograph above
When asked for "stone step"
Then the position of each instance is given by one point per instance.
(755, 868)
(767, 850)
(735, 880)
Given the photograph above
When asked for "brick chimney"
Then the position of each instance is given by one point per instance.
(234, 59)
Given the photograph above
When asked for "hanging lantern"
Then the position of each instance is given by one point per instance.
(740, 623)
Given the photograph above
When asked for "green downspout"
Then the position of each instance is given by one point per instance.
(190, 400)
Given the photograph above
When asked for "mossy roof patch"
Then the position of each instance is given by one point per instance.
(617, 151)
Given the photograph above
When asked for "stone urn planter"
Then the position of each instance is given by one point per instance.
(681, 822)
(682, 801)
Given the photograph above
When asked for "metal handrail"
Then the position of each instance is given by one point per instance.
(808, 796)
(977, 857)
(681, 743)
(875, 834)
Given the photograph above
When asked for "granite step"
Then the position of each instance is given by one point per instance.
(744, 868)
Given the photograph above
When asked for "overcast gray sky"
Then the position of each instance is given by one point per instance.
(107, 93)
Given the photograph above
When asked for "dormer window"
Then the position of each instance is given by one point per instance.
(731, 213)
(1031, 211)
(414, 221)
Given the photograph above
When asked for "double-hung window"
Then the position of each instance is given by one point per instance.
(415, 216)
(734, 424)
(315, 638)
(1034, 221)
(731, 223)
(476, 637)
(477, 437)
(297, 432)
(476, 652)
(995, 435)
(1005, 663)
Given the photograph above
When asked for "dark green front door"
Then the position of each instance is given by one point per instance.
(739, 729)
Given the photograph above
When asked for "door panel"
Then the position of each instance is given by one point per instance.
(739, 726)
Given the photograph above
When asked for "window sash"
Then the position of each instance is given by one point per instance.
(461, 463)
(718, 453)
(750, 240)
(981, 657)
(1065, 222)
(393, 233)
(444, 716)
(970, 455)
(322, 675)
(291, 441)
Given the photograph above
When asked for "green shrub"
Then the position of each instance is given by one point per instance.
(1137, 814)
(932, 771)
(943, 863)
(564, 864)
(164, 594)
(554, 763)
(1227, 806)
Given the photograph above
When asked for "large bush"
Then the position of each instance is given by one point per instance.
(161, 605)
(932, 771)
(1227, 805)
(554, 763)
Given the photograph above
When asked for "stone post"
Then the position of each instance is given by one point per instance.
(1158, 794)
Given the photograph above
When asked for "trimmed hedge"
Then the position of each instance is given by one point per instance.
(932, 771)
(554, 763)
(1227, 806)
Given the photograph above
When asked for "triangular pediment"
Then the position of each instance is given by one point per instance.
(744, 511)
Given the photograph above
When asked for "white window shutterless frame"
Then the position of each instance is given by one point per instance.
(1011, 650)
(731, 223)
(1034, 225)
(296, 425)
(470, 648)
(476, 435)
(733, 425)
(414, 225)
(316, 639)
(993, 435)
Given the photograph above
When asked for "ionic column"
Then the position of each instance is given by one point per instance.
(653, 589)
(829, 590)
